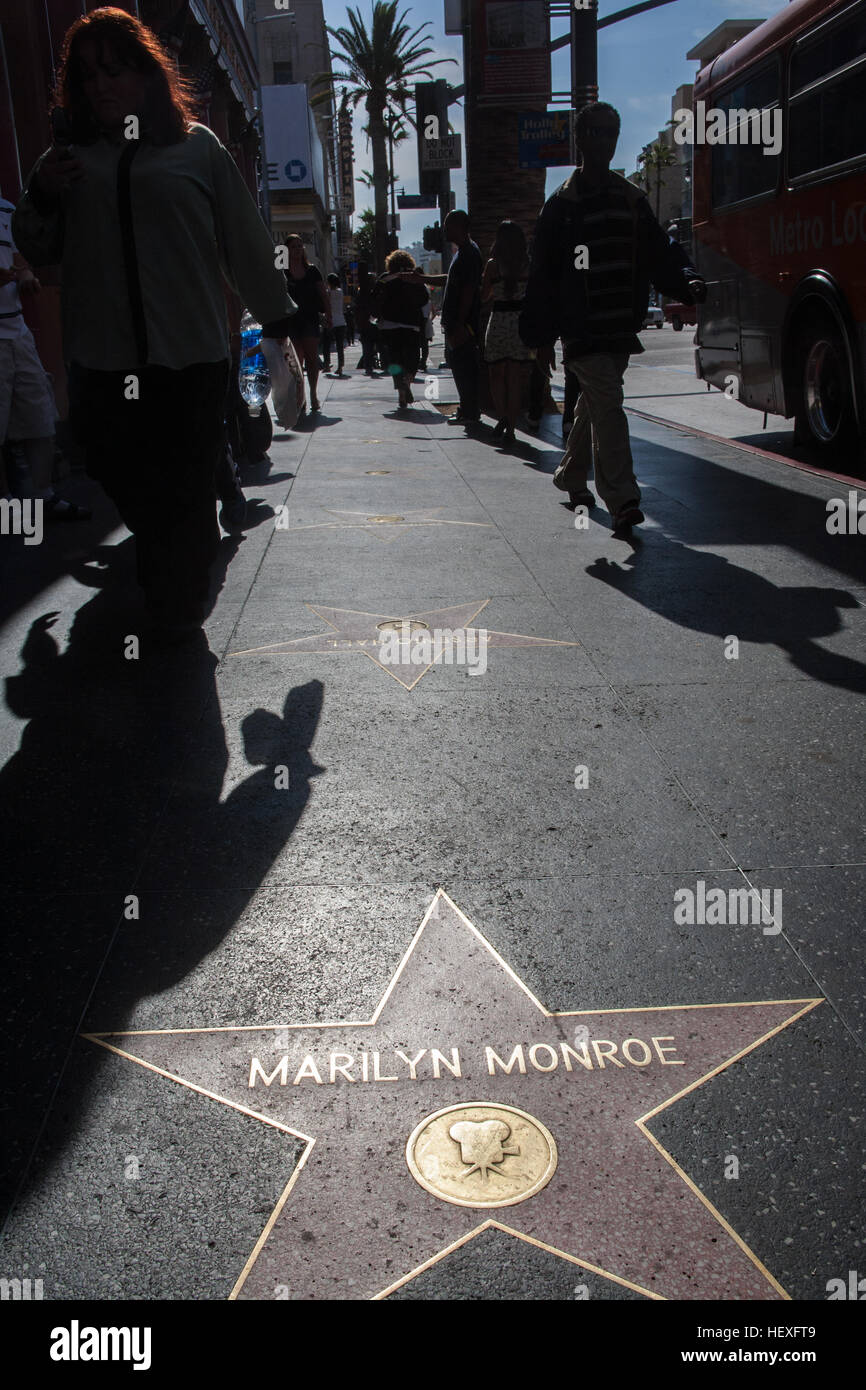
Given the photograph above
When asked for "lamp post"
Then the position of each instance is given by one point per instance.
(255, 20)
(583, 39)
(393, 239)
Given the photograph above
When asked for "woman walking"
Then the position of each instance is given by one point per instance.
(508, 358)
(141, 223)
(400, 297)
(337, 331)
(307, 289)
(364, 322)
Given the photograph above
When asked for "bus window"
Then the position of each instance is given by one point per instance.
(740, 171)
(818, 56)
(827, 123)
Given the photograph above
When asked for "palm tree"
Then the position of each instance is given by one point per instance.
(396, 131)
(656, 156)
(365, 236)
(380, 66)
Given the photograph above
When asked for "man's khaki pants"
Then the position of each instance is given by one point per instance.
(599, 435)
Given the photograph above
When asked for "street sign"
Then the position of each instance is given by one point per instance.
(445, 153)
(416, 200)
(543, 139)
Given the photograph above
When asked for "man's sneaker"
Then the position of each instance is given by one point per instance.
(583, 498)
(629, 515)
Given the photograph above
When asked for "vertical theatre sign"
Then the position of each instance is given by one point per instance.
(346, 153)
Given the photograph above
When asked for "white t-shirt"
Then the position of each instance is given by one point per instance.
(11, 318)
(338, 318)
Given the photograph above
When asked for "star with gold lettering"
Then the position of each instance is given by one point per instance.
(463, 1096)
(353, 631)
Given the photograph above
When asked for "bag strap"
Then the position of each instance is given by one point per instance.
(130, 257)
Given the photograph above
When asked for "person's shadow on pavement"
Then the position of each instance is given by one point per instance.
(112, 810)
(707, 593)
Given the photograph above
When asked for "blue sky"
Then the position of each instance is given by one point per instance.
(641, 62)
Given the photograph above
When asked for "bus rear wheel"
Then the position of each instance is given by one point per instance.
(825, 415)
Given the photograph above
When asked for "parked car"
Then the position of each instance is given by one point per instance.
(677, 314)
(654, 317)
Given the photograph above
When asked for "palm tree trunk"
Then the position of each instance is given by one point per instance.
(379, 143)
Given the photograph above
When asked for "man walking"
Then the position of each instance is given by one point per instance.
(597, 247)
(461, 310)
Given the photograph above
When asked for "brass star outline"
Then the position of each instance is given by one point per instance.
(384, 530)
(763, 1284)
(351, 635)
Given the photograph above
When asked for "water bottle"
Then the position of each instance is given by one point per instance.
(253, 376)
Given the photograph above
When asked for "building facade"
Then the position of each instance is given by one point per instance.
(291, 47)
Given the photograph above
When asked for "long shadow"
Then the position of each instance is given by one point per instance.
(110, 806)
(26, 570)
(710, 594)
(315, 421)
(704, 502)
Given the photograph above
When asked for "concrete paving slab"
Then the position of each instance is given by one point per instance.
(774, 772)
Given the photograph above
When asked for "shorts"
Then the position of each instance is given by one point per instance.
(27, 408)
(303, 328)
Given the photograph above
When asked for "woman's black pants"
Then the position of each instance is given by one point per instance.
(152, 437)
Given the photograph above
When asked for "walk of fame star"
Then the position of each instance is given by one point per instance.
(463, 1092)
(385, 526)
(362, 632)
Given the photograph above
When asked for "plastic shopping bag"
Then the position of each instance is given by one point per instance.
(286, 380)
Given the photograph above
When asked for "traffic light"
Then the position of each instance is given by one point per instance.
(433, 238)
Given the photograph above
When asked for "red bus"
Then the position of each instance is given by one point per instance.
(781, 236)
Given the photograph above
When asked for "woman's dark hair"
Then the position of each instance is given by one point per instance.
(333, 280)
(509, 253)
(168, 107)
